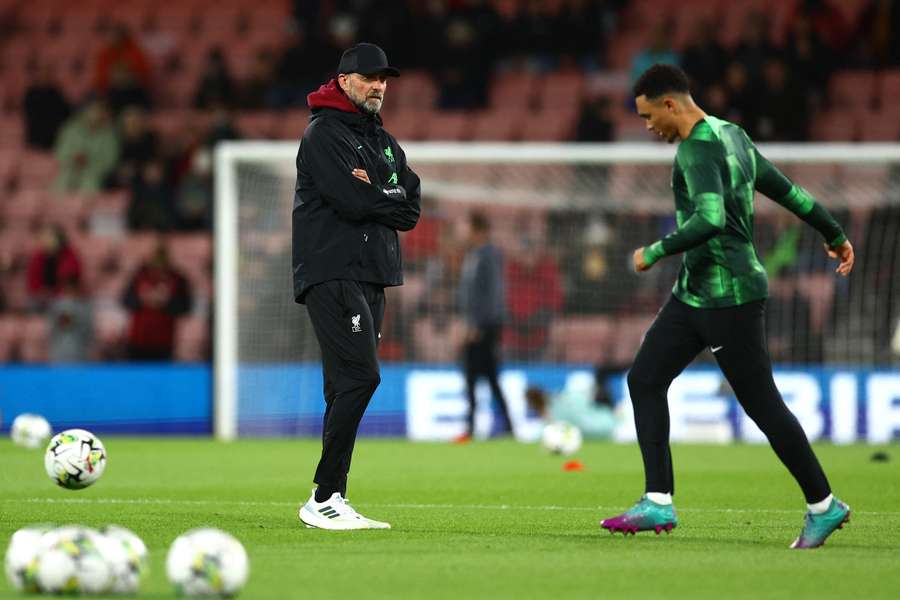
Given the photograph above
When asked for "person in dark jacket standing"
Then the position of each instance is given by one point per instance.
(354, 192)
(482, 296)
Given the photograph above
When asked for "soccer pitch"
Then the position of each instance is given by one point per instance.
(486, 520)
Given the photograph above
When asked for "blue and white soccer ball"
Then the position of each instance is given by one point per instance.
(561, 438)
(30, 431)
(207, 562)
(75, 459)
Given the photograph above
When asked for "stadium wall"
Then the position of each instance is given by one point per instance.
(425, 402)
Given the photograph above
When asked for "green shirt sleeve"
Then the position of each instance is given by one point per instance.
(774, 184)
(701, 164)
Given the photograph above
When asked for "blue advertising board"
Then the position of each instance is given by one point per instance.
(427, 402)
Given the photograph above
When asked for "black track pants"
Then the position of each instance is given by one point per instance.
(346, 316)
(480, 360)
(737, 337)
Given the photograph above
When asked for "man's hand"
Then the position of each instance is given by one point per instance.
(844, 252)
(640, 264)
(361, 175)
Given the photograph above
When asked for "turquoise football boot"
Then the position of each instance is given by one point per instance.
(646, 515)
(817, 528)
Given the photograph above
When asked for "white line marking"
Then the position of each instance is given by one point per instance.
(545, 507)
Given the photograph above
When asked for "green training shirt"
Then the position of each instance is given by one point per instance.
(717, 169)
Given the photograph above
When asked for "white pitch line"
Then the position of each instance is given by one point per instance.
(545, 507)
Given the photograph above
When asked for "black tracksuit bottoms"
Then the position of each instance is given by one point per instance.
(346, 316)
(480, 359)
(736, 335)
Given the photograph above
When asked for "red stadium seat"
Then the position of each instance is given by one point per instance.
(415, 90)
(192, 339)
(10, 338)
(889, 88)
(851, 89)
(257, 125)
(880, 126)
(499, 124)
(562, 90)
(452, 126)
(35, 339)
(838, 125)
(515, 90)
(584, 339)
(25, 208)
(550, 125)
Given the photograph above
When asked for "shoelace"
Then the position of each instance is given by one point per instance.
(343, 507)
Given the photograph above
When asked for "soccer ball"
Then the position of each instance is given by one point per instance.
(30, 431)
(207, 562)
(127, 555)
(75, 459)
(20, 556)
(561, 438)
(70, 560)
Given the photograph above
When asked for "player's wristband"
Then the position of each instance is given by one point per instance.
(653, 253)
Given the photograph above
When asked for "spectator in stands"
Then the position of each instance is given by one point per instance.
(150, 203)
(45, 108)
(878, 34)
(809, 61)
(784, 109)
(595, 121)
(194, 196)
(252, 91)
(534, 36)
(830, 25)
(121, 62)
(462, 76)
(704, 58)
(482, 300)
(126, 90)
(432, 23)
(71, 321)
(157, 295)
(534, 296)
(215, 86)
(138, 146)
(755, 48)
(221, 127)
(660, 50)
(87, 149)
(299, 70)
(740, 97)
(582, 28)
(53, 264)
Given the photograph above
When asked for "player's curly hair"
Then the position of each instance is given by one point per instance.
(661, 79)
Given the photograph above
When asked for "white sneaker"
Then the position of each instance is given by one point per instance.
(335, 513)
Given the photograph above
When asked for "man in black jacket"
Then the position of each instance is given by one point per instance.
(354, 192)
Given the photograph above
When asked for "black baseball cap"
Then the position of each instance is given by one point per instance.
(366, 59)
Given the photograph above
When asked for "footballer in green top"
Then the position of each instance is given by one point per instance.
(718, 301)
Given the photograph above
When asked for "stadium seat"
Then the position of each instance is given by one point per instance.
(584, 339)
(35, 339)
(10, 338)
(629, 331)
(257, 125)
(415, 90)
(889, 88)
(24, 209)
(837, 125)
(852, 89)
(499, 124)
(450, 126)
(426, 331)
(562, 91)
(192, 339)
(880, 126)
(514, 91)
(406, 124)
(551, 125)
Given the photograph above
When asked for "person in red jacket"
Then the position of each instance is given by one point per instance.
(121, 52)
(533, 298)
(156, 296)
(52, 264)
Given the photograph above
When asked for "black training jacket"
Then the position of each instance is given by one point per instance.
(344, 228)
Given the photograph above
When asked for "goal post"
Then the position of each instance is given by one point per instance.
(559, 201)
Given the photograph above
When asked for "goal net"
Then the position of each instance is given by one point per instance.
(567, 218)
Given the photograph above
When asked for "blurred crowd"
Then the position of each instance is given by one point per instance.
(122, 130)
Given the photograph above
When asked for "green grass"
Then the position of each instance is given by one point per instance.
(486, 520)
